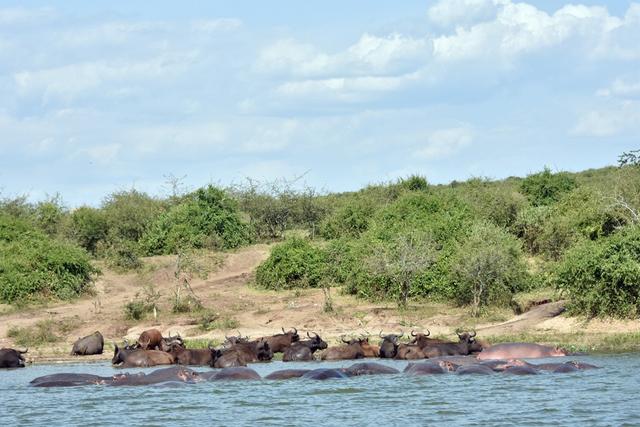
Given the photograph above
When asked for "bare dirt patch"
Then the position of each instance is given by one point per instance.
(229, 296)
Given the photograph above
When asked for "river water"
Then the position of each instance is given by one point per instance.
(604, 397)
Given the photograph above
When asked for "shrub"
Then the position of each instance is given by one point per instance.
(349, 220)
(414, 183)
(207, 218)
(296, 263)
(544, 188)
(488, 267)
(32, 264)
(603, 277)
(493, 201)
(128, 215)
(88, 227)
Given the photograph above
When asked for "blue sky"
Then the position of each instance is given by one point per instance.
(101, 96)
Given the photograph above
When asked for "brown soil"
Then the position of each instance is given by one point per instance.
(229, 293)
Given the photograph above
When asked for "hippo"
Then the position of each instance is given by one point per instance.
(172, 374)
(233, 374)
(68, 380)
(520, 351)
(324, 374)
(521, 370)
(369, 368)
(474, 369)
(429, 368)
(286, 374)
(565, 368)
(501, 365)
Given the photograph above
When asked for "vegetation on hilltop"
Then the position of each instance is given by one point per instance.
(475, 243)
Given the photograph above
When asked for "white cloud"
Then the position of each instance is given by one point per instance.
(20, 16)
(445, 142)
(369, 56)
(614, 120)
(68, 81)
(448, 13)
(215, 25)
(622, 88)
(520, 28)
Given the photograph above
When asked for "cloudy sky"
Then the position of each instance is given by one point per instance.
(101, 96)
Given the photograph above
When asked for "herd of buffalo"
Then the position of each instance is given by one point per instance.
(152, 349)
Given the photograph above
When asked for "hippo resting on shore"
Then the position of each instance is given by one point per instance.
(516, 350)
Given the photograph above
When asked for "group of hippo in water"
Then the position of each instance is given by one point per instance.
(466, 356)
(179, 375)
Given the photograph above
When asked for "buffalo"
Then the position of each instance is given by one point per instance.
(279, 342)
(410, 352)
(123, 357)
(241, 354)
(303, 350)
(196, 357)
(466, 346)
(354, 349)
(10, 358)
(91, 344)
(389, 345)
(150, 339)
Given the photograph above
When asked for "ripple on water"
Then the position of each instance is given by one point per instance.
(599, 397)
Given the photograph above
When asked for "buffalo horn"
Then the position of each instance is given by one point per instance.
(295, 331)
(380, 334)
(342, 338)
(283, 331)
(428, 333)
(473, 335)
(23, 352)
(413, 333)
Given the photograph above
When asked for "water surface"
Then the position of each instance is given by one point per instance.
(604, 397)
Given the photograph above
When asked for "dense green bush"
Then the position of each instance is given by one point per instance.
(207, 218)
(603, 277)
(497, 202)
(296, 263)
(34, 265)
(129, 213)
(544, 188)
(488, 267)
(87, 227)
(349, 220)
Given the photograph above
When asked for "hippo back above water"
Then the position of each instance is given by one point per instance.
(520, 351)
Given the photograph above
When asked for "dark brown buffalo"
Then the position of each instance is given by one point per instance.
(466, 346)
(140, 358)
(91, 344)
(423, 340)
(410, 352)
(10, 358)
(389, 345)
(194, 357)
(167, 343)
(279, 342)
(241, 354)
(352, 350)
(150, 339)
(233, 340)
(303, 350)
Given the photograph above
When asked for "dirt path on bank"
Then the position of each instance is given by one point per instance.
(234, 304)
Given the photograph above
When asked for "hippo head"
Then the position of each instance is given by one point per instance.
(559, 351)
(448, 366)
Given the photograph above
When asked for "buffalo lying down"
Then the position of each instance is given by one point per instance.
(10, 358)
(91, 344)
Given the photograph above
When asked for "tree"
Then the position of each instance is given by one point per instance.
(407, 256)
(488, 267)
